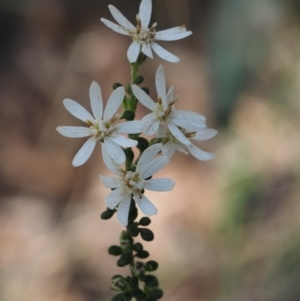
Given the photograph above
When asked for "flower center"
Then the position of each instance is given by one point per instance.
(133, 182)
(163, 111)
(101, 129)
(143, 35)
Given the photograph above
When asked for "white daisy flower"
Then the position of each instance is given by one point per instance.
(132, 183)
(171, 144)
(164, 112)
(100, 126)
(144, 38)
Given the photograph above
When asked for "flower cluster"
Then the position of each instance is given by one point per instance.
(170, 129)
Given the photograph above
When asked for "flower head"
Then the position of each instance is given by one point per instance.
(144, 37)
(164, 112)
(133, 183)
(101, 126)
(171, 144)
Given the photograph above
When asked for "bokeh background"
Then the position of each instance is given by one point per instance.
(230, 228)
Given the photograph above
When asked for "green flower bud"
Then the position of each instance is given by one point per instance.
(156, 294)
(146, 234)
(138, 80)
(151, 265)
(134, 282)
(118, 284)
(145, 221)
(139, 295)
(138, 247)
(116, 85)
(128, 115)
(114, 250)
(107, 214)
(143, 254)
(118, 297)
(125, 240)
(127, 296)
(125, 259)
(145, 89)
(133, 230)
(151, 281)
(142, 144)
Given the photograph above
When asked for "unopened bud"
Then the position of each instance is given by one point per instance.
(118, 284)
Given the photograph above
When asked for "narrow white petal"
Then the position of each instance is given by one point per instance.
(150, 124)
(145, 12)
(96, 100)
(154, 166)
(123, 209)
(205, 134)
(77, 110)
(110, 182)
(115, 27)
(145, 205)
(166, 36)
(159, 184)
(160, 81)
(162, 131)
(114, 198)
(173, 30)
(114, 151)
(199, 153)
(129, 127)
(124, 141)
(74, 131)
(176, 132)
(168, 149)
(170, 94)
(85, 152)
(143, 97)
(148, 155)
(119, 17)
(164, 54)
(146, 49)
(114, 103)
(133, 51)
(188, 120)
(110, 163)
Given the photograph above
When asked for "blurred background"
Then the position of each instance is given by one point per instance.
(230, 228)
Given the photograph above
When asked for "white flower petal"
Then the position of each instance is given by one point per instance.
(114, 198)
(143, 97)
(147, 156)
(74, 131)
(150, 124)
(114, 103)
(96, 100)
(114, 151)
(119, 17)
(84, 153)
(173, 30)
(129, 127)
(170, 94)
(77, 110)
(123, 210)
(146, 49)
(110, 182)
(178, 134)
(160, 81)
(115, 27)
(145, 205)
(133, 51)
(154, 166)
(168, 149)
(164, 54)
(145, 12)
(110, 163)
(199, 153)
(188, 120)
(205, 134)
(167, 36)
(162, 131)
(159, 184)
(124, 141)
